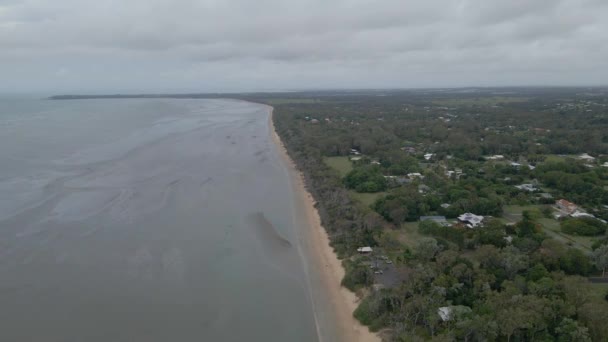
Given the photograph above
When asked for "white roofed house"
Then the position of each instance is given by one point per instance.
(415, 175)
(364, 250)
(527, 187)
(471, 220)
(586, 157)
(454, 312)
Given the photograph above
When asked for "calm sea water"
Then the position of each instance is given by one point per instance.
(146, 220)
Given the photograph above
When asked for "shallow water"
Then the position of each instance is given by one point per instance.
(147, 220)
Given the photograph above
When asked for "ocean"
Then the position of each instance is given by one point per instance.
(147, 220)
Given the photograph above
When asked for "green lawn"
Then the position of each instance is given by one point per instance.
(552, 228)
(554, 158)
(341, 164)
(599, 290)
(513, 213)
(366, 198)
(407, 234)
(290, 101)
(480, 101)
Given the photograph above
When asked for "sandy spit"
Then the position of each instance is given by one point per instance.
(343, 301)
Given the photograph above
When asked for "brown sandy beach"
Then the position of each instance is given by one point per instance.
(324, 261)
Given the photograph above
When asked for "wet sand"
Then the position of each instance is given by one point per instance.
(337, 302)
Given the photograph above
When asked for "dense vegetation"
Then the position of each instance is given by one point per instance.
(520, 277)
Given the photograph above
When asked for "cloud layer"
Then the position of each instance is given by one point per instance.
(237, 45)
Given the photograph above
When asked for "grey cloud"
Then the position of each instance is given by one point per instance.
(149, 45)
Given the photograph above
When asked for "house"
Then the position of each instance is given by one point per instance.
(495, 157)
(578, 214)
(445, 313)
(375, 162)
(448, 313)
(470, 220)
(516, 165)
(398, 179)
(364, 250)
(314, 121)
(423, 188)
(566, 206)
(445, 205)
(355, 158)
(527, 187)
(605, 164)
(586, 157)
(415, 175)
(428, 156)
(437, 219)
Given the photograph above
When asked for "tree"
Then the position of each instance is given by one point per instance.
(586, 226)
(575, 262)
(570, 331)
(600, 258)
(513, 261)
(365, 179)
(427, 249)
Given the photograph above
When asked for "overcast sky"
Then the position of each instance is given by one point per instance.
(84, 46)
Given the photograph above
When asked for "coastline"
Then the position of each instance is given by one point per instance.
(324, 260)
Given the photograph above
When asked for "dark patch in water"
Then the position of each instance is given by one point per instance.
(267, 232)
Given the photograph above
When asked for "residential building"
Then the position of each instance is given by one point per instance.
(470, 220)
(586, 157)
(566, 206)
(527, 187)
(364, 250)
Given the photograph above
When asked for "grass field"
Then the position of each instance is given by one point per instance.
(599, 290)
(481, 101)
(513, 213)
(291, 101)
(556, 158)
(366, 199)
(340, 164)
(552, 228)
(407, 234)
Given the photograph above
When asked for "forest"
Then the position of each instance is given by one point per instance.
(398, 171)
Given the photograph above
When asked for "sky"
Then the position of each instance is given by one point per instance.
(108, 46)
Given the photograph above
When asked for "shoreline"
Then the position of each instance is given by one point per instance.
(328, 267)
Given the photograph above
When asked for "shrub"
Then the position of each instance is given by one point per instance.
(365, 179)
(586, 226)
(575, 262)
(357, 276)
